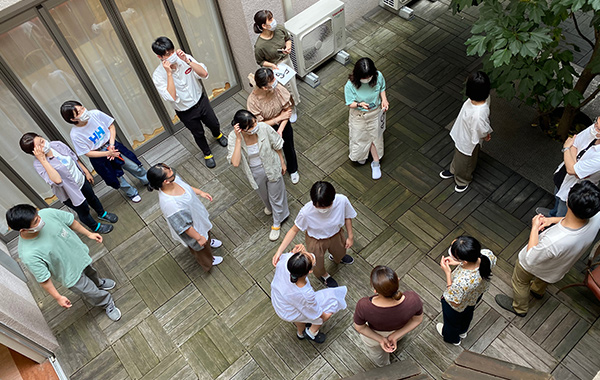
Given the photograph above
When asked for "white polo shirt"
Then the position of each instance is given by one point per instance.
(187, 87)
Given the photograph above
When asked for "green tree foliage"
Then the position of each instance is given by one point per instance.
(525, 52)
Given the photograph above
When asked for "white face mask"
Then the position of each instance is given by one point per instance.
(46, 147)
(254, 130)
(323, 210)
(594, 133)
(273, 25)
(85, 116)
(172, 58)
(366, 80)
(37, 228)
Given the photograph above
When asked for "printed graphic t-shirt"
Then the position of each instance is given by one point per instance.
(92, 135)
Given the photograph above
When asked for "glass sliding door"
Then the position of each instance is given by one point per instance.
(93, 39)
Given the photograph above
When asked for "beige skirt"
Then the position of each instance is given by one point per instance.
(364, 130)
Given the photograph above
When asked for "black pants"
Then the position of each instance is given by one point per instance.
(83, 210)
(288, 147)
(455, 323)
(193, 118)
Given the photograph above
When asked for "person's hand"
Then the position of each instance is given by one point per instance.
(537, 222)
(388, 345)
(95, 236)
(89, 177)
(167, 66)
(349, 242)
(299, 248)
(363, 105)
(385, 105)
(445, 265)
(488, 137)
(287, 50)
(64, 302)
(181, 54)
(206, 195)
(283, 168)
(201, 241)
(450, 260)
(275, 259)
(569, 142)
(238, 131)
(280, 132)
(112, 153)
(285, 114)
(38, 152)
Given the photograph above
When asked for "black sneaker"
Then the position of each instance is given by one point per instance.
(319, 338)
(103, 228)
(347, 259)
(505, 302)
(446, 174)
(330, 282)
(109, 217)
(210, 161)
(460, 189)
(535, 295)
(222, 140)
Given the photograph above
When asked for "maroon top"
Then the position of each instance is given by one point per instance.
(388, 318)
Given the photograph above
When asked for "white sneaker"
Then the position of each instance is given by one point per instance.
(136, 198)
(376, 170)
(294, 116)
(462, 336)
(113, 313)
(217, 260)
(267, 211)
(274, 235)
(214, 243)
(295, 177)
(440, 326)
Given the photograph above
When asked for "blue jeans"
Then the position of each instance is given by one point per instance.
(137, 171)
(560, 206)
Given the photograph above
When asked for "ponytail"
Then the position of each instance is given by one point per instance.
(260, 18)
(397, 295)
(485, 267)
(293, 278)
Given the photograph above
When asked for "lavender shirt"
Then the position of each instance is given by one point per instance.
(68, 188)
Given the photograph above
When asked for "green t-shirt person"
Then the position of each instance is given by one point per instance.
(56, 251)
(365, 93)
(266, 50)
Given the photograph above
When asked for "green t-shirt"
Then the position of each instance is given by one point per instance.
(266, 50)
(365, 93)
(57, 251)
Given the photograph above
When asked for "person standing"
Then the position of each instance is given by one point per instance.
(186, 215)
(366, 98)
(273, 46)
(50, 248)
(471, 128)
(464, 286)
(294, 299)
(386, 317)
(176, 80)
(69, 179)
(323, 220)
(550, 254)
(257, 149)
(271, 103)
(94, 135)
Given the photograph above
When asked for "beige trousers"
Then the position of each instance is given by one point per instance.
(336, 246)
(374, 350)
(522, 283)
(463, 166)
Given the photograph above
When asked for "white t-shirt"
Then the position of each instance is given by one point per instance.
(187, 87)
(558, 249)
(471, 126)
(92, 135)
(324, 225)
(70, 164)
(253, 155)
(588, 166)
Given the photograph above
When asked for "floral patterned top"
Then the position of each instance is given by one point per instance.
(467, 285)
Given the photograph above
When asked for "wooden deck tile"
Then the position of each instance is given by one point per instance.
(159, 282)
(107, 364)
(133, 260)
(173, 366)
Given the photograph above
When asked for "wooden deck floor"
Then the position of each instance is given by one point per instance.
(179, 323)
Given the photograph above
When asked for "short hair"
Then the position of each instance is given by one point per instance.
(385, 281)
(156, 176)
(244, 118)
(68, 110)
(20, 216)
(584, 199)
(363, 68)
(299, 266)
(26, 143)
(162, 45)
(478, 86)
(260, 18)
(263, 77)
(322, 194)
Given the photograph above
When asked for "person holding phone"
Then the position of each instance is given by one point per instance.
(271, 103)
(366, 98)
(69, 179)
(273, 46)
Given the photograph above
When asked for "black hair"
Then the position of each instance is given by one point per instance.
(26, 142)
(478, 86)
(244, 118)
(263, 77)
(298, 265)
(20, 216)
(363, 68)
(162, 45)
(467, 248)
(68, 110)
(322, 194)
(385, 281)
(156, 176)
(260, 18)
(584, 199)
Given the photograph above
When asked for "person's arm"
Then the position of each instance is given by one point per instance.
(52, 173)
(283, 165)
(385, 105)
(444, 264)
(291, 234)
(408, 327)
(191, 232)
(77, 227)
(197, 67)
(350, 238)
(570, 156)
(202, 193)
(170, 83)
(369, 333)
(236, 156)
(49, 287)
(86, 172)
(283, 116)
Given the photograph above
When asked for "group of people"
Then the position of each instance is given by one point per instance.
(262, 145)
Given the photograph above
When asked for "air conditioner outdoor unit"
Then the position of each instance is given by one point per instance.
(318, 33)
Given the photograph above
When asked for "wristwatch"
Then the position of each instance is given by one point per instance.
(565, 149)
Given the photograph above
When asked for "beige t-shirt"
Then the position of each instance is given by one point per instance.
(270, 105)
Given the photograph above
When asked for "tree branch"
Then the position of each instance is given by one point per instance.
(589, 98)
(579, 31)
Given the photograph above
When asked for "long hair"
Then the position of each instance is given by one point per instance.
(467, 248)
(364, 68)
